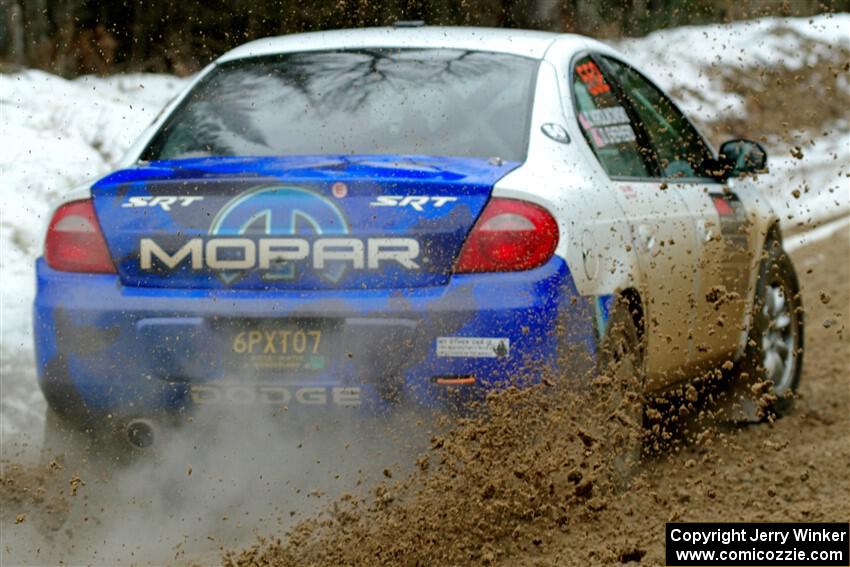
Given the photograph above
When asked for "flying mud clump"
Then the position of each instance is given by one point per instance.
(536, 461)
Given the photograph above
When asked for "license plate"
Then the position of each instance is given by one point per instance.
(282, 347)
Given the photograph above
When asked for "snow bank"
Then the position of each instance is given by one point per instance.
(689, 58)
(56, 135)
(692, 61)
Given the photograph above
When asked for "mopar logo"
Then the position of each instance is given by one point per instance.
(281, 211)
(276, 212)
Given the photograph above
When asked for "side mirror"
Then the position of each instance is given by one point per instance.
(740, 157)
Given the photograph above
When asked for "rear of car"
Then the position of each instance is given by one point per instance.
(311, 229)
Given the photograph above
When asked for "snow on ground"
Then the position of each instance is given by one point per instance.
(55, 135)
(58, 134)
(693, 62)
(688, 58)
(822, 178)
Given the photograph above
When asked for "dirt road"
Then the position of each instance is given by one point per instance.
(526, 487)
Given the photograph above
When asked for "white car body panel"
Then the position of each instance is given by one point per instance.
(559, 177)
(516, 42)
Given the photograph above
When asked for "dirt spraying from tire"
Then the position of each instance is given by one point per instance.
(530, 483)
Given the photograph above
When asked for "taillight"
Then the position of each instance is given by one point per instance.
(510, 235)
(75, 242)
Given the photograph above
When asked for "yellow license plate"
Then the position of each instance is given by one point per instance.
(273, 348)
(277, 341)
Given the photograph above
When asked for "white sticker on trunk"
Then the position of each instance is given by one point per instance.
(473, 347)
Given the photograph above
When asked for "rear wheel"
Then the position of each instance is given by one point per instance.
(773, 361)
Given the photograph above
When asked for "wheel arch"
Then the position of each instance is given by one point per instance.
(632, 298)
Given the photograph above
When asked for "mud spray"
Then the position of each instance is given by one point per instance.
(215, 481)
(536, 482)
(535, 463)
(340, 483)
(536, 478)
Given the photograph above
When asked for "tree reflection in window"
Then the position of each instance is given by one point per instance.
(370, 101)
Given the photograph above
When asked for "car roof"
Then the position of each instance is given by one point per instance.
(525, 43)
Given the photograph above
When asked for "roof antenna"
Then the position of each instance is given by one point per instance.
(409, 23)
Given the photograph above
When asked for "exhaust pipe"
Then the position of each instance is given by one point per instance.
(140, 433)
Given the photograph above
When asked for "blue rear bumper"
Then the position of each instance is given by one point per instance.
(103, 348)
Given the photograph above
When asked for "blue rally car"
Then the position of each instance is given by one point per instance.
(343, 221)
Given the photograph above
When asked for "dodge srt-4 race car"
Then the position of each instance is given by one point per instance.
(340, 221)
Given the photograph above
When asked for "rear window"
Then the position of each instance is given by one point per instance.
(440, 102)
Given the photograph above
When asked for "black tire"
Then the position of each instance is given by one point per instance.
(772, 364)
(619, 388)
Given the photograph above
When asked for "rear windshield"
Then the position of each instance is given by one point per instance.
(441, 102)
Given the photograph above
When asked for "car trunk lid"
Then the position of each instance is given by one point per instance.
(314, 222)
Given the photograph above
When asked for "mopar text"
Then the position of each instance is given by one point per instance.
(265, 253)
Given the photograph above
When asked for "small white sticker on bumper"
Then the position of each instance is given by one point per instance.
(473, 347)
